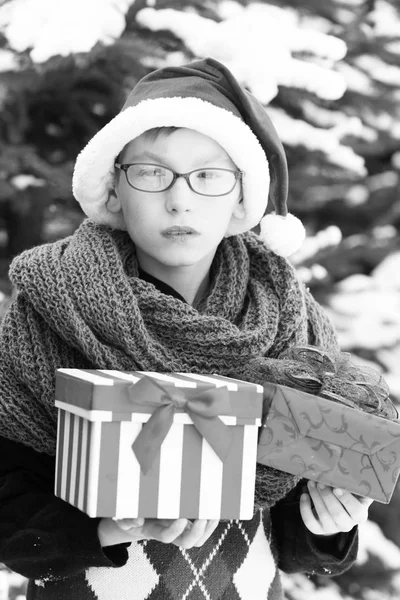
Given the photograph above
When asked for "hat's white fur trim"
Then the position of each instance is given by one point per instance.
(283, 235)
(94, 168)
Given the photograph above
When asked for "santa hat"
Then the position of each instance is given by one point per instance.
(204, 96)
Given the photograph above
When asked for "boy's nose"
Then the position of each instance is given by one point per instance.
(179, 197)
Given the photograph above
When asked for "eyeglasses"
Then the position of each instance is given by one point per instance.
(151, 178)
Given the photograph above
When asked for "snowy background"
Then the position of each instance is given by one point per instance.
(329, 75)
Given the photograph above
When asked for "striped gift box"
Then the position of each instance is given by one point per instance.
(98, 472)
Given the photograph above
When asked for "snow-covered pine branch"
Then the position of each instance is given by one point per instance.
(49, 28)
(269, 37)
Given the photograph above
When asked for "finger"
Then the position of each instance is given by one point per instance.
(342, 521)
(154, 529)
(356, 507)
(126, 524)
(363, 499)
(308, 516)
(190, 537)
(210, 528)
(322, 513)
(165, 522)
(366, 501)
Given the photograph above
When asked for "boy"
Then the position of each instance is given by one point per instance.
(164, 276)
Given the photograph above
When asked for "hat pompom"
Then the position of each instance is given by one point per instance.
(283, 235)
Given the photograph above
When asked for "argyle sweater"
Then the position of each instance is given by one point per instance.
(57, 548)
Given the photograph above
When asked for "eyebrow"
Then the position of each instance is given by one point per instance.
(152, 156)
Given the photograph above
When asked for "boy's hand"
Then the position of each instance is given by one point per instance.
(181, 532)
(334, 510)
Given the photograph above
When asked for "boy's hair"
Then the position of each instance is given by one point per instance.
(150, 133)
(156, 131)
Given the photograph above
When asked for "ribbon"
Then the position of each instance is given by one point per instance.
(332, 375)
(202, 407)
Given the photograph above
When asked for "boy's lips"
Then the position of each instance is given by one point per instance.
(179, 230)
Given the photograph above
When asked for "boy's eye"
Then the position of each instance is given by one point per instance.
(208, 174)
(151, 172)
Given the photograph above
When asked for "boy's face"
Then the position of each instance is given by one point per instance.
(147, 215)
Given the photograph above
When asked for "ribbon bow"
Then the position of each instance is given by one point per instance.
(202, 407)
(332, 375)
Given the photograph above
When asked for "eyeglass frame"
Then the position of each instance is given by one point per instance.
(125, 166)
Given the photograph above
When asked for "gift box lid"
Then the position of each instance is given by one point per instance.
(329, 421)
(109, 390)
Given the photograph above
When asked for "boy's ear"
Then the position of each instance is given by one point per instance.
(239, 210)
(113, 203)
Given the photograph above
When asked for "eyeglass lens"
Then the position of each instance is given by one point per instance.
(208, 182)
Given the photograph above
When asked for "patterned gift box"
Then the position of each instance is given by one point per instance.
(111, 463)
(329, 442)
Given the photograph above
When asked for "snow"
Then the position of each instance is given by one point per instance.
(4, 585)
(324, 83)
(387, 274)
(356, 80)
(373, 542)
(264, 31)
(384, 121)
(347, 125)
(22, 181)
(396, 160)
(313, 244)
(8, 61)
(295, 132)
(49, 28)
(393, 46)
(379, 70)
(386, 19)
(365, 313)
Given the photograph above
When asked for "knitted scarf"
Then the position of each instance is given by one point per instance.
(81, 304)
